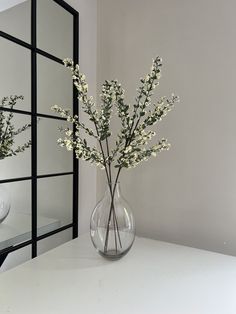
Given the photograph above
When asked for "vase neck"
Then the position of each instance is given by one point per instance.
(117, 189)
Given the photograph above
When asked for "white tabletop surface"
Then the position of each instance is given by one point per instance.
(153, 278)
(16, 228)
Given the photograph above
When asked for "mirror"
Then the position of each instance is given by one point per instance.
(51, 157)
(40, 172)
(16, 258)
(18, 11)
(54, 85)
(54, 241)
(54, 207)
(19, 165)
(15, 78)
(53, 35)
(16, 228)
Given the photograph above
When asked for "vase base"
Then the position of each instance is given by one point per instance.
(113, 255)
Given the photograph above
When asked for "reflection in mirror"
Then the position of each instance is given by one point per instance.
(16, 228)
(54, 29)
(54, 241)
(18, 11)
(54, 85)
(15, 65)
(16, 258)
(56, 205)
(51, 157)
(20, 164)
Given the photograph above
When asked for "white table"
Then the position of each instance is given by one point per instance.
(16, 228)
(154, 278)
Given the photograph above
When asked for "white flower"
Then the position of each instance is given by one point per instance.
(69, 132)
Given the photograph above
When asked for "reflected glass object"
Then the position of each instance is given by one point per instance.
(51, 157)
(54, 86)
(15, 65)
(54, 29)
(55, 202)
(54, 241)
(5, 203)
(19, 165)
(16, 228)
(18, 11)
(16, 258)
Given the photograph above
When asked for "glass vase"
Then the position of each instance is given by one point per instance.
(5, 204)
(112, 227)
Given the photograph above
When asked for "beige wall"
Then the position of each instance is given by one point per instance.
(186, 195)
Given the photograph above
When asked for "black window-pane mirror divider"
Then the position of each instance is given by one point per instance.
(35, 51)
(39, 115)
(75, 112)
(34, 127)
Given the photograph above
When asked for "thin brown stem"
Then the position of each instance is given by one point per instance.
(117, 228)
(109, 179)
(103, 155)
(109, 162)
(110, 213)
(104, 161)
(114, 224)
(112, 191)
(107, 229)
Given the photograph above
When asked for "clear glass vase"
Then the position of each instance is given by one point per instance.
(5, 204)
(112, 227)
